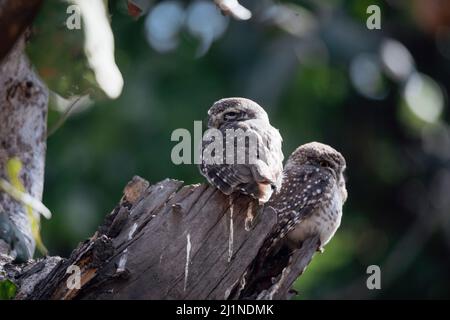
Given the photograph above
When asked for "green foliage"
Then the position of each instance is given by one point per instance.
(7, 289)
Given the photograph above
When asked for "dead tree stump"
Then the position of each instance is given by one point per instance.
(165, 241)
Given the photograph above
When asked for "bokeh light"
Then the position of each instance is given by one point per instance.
(205, 22)
(366, 76)
(163, 24)
(424, 98)
(397, 61)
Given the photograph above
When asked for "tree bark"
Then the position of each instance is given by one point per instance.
(23, 125)
(166, 241)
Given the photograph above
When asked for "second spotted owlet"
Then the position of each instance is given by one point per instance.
(251, 161)
(311, 198)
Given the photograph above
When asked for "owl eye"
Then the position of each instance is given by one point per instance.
(230, 115)
(324, 164)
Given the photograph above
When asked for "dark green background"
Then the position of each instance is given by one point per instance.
(398, 166)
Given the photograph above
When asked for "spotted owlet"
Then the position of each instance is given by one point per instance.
(311, 198)
(243, 152)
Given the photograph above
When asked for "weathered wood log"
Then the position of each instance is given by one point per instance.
(166, 241)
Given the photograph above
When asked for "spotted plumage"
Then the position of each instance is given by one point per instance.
(311, 198)
(253, 165)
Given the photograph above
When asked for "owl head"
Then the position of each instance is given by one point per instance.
(320, 156)
(230, 110)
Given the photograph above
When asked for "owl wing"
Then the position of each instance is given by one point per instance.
(246, 177)
(268, 166)
(303, 191)
(271, 155)
(294, 203)
(227, 178)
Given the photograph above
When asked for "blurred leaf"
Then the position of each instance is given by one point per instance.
(7, 290)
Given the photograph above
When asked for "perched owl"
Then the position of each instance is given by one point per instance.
(311, 198)
(250, 160)
(309, 204)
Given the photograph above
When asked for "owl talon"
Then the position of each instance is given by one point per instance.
(321, 249)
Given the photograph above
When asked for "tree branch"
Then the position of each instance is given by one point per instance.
(23, 118)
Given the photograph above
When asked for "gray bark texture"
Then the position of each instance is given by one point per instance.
(23, 125)
(167, 241)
